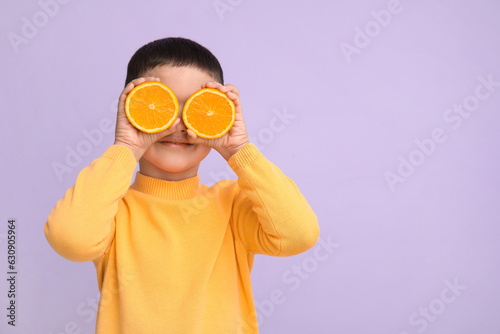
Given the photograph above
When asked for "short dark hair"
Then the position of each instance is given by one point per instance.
(176, 52)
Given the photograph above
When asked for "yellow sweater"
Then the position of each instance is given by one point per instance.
(176, 256)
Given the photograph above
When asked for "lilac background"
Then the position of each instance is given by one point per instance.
(354, 118)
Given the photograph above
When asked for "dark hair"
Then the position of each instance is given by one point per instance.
(176, 52)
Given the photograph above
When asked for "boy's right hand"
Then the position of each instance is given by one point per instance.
(127, 135)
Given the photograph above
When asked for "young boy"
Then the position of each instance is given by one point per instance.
(173, 255)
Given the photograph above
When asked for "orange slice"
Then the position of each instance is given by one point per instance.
(209, 113)
(151, 107)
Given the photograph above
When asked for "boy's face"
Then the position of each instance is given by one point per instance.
(164, 159)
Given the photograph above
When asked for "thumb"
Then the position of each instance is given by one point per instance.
(171, 129)
(194, 139)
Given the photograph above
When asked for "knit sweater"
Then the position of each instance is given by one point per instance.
(176, 256)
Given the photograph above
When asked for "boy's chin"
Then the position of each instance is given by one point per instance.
(163, 170)
(169, 158)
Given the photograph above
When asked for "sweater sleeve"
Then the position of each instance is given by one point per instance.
(82, 224)
(270, 215)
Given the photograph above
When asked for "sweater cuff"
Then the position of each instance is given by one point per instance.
(122, 155)
(244, 157)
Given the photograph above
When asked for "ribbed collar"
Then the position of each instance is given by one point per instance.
(166, 189)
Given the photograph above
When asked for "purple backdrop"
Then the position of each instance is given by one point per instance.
(385, 114)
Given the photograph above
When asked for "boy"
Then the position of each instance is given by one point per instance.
(173, 255)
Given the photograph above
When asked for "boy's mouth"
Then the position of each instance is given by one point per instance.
(175, 142)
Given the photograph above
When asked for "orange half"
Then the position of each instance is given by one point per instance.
(152, 107)
(209, 113)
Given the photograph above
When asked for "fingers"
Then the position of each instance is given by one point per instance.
(233, 89)
(235, 98)
(216, 85)
(171, 129)
(128, 88)
(232, 92)
(194, 139)
(125, 92)
(191, 136)
(222, 88)
(137, 82)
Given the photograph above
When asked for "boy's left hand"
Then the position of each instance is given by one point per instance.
(237, 137)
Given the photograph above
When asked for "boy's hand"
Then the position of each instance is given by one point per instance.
(127, 135)
(237, 137)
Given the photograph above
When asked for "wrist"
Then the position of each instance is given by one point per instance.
(137, 151)
(228, 153)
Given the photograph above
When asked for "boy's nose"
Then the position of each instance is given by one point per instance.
(181, 127)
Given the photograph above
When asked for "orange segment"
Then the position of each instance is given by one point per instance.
(151, 107)
(209, 113)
